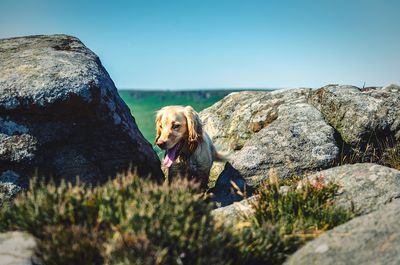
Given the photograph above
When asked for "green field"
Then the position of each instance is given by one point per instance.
(144, 104)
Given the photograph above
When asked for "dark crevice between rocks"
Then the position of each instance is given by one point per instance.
(226, 193)
(373, 147)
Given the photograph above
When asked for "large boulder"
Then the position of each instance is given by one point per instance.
(370, 239)
(363, 187)
(16, 248)
(360, 116)
(300, 131)
(232, 121)
(61, 115)
(271, 130)
(298, 141)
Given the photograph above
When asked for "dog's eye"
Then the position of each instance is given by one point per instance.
(176, 126)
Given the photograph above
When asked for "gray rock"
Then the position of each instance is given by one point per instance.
(61, 114)
(16, 248)
(359, 115)
(298, 141)
(232, 121)
(364, 187)
(235, 213)
(271, 130)
(370, 239)
(10, 185)
(299, 131)
(268, 131)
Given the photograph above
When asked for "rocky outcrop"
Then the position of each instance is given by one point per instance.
(370, 239)
(360, 116)
(16, 248)
(232, 121)
(300, 131)
(363, 187)
(271, 130)
(298, 141)
(60, 114)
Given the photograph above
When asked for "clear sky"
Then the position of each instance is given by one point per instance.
(225, 43)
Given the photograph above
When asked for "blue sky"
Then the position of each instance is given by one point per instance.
(225, 43)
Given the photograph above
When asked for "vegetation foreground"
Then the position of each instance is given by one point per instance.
(130, 220)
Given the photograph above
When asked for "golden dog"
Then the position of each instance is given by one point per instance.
(189, 151)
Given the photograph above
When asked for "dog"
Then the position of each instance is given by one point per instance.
(189, 151)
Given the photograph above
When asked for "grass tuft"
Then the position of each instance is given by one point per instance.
(383, 151)
(285, 220)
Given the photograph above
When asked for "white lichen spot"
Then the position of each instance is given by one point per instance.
(322, 248)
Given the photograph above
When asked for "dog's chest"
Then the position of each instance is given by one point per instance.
(183, 168)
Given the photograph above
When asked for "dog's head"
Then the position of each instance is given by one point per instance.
(176, 127)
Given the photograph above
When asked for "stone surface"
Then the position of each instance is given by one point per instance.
(16, 248)
(61, 114)
(298, 141)
(235, 213)
(364, 187)
(300, 131)
(360, 115)
(9, 185)
(233, 120)
(271, 130)
(370, 239)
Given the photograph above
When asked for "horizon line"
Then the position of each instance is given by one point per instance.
(202, 89)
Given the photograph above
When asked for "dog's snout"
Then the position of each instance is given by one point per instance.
(162, 144)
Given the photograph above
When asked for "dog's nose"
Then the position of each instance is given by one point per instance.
(161, 143)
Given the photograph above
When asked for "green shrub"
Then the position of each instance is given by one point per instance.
(126, 221)
(284, 220)
(168, 225)
(133, 221)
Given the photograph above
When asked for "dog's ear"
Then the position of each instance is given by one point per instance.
(158, 123)
(195, 127)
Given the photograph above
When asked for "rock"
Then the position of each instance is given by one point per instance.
(360, 115)
(9, 185)
(233, 120)
(61, 114)
(16, 248)
(271, 130)
(298, 141)
(363, 187)
(235, 213)
(370, 239)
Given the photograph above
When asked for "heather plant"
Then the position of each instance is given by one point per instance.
(283, 220)
(126, 221)
(130, 220)
(169, 225)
